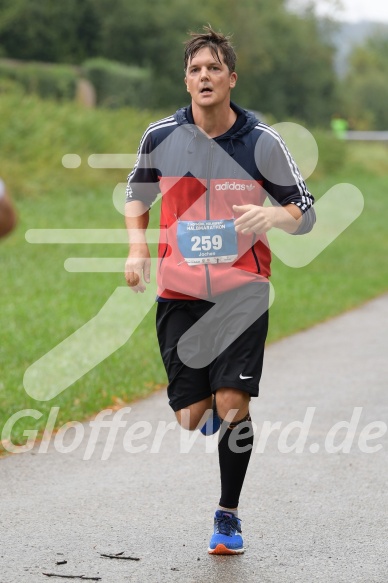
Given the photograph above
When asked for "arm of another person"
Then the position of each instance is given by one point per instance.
(7, 212)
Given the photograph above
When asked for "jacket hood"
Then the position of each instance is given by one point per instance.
(245, 122)
(182, 117)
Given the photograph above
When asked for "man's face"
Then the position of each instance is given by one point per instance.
(208, 81)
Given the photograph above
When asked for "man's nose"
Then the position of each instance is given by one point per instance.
(204, 73)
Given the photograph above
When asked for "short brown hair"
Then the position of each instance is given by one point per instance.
(216, 42)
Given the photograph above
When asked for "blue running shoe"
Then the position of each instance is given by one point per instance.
(227, 539)
(213, 424)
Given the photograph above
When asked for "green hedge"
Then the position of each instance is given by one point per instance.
(48, 81)
(118, 85)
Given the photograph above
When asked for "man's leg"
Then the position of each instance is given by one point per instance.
(188, 388)
(235, 445)
(192, 417)
(235, 377)
(234, 449)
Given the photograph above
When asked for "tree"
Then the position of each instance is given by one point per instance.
(47, 30)
(285, 64)
(365, 89)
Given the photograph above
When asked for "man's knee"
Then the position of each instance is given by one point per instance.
(195, 415)
(232, 404)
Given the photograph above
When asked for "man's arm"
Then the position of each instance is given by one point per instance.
(258, 219)
(7, 212)
(142, 190)
(292, 209)
(138, 264)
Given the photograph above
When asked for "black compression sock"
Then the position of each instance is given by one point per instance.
(234, 450)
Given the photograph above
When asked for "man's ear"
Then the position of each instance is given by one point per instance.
(233, 79)
(187, 89)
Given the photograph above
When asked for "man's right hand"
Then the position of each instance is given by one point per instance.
(138, 267)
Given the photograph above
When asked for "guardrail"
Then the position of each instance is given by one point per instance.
(366, 136)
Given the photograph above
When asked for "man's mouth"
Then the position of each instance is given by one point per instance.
(206, 90)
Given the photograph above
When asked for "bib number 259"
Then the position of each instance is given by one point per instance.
(206, 243)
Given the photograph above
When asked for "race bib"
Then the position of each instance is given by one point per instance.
(207, 241)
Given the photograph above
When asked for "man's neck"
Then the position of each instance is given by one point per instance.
(214, 121)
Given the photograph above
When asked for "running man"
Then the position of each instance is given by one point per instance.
(214, 164)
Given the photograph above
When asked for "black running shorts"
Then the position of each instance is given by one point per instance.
(208, 345)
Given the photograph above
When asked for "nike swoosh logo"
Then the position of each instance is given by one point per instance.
(243, 378)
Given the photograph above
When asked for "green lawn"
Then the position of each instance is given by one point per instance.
(42, 303)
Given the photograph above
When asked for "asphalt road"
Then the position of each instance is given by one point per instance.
(318, 514)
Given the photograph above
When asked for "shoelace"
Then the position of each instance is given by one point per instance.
(227, 525)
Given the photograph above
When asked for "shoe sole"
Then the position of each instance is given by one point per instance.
(223, 550)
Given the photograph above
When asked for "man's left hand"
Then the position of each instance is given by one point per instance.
(256, 219)
(259, 219)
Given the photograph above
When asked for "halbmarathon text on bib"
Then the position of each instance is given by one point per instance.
(202, 242)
